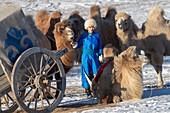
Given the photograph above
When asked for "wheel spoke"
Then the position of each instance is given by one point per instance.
(28, 70)
(32, 97)
(50, 68)
(45, 64)
(41, 97)
(50, 93)
(41, 64)
(36, 100)
(46, 96)
(34, 71)
(27, 94)
(54, 80)
(53, 74)
(35, 62)
(22, 81)
(53, 87)
(25, 86)
(10, 97)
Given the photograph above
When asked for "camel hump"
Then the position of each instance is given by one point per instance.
(95, 12)
(56, 14)
(110, 12)
(42, 21)
(43, 15)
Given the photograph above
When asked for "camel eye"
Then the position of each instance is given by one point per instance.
(62, 29)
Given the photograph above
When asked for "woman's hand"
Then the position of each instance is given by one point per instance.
(101, 58)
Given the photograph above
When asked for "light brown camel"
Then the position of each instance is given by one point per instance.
(102, 84)
(153, 33)
(121, 79)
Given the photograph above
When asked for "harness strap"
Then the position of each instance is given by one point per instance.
(100, 70)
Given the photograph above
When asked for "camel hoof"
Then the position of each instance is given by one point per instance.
(160, 86)
(116, 99)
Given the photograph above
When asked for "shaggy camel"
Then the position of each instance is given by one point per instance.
(147, 39)
(46, 22)
(64, 36)
(128, 73)
(101, 88)
(121, 79)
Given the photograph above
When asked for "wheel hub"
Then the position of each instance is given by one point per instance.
(40, 81)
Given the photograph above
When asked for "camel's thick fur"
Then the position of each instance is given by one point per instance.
(105, 27)
(121, 79)
(45, 22)
(127, 73)
(155, 32)
(64, 36)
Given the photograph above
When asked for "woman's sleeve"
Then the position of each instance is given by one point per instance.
(100, 46)
(80, 41)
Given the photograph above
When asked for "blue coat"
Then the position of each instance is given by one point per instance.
(91, 50)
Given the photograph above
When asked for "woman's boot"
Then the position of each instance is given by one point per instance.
(88, 92)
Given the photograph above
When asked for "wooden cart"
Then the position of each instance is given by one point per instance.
(31, 77)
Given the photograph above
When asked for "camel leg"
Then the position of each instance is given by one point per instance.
(159, 75)
(157, 61)
(116, 99)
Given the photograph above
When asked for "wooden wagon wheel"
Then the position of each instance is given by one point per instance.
(40, 73)
(7, 103)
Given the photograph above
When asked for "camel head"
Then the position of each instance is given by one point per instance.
(76, 23)
(63, 35)
(123, 21)
(134, 57)
(109, 51)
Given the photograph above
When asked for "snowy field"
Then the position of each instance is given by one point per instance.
(153, 101)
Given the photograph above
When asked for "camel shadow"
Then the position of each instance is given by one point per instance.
(152, 91)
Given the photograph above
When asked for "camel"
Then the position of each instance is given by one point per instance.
(102, 83)
(45, 22)
(105, 27)
(121, 79)
(154, 32)
(76, 23)
(127, 74)
(64, 36)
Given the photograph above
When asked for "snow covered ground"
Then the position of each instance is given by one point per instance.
(153, 101)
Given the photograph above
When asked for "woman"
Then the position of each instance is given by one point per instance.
(91, 50)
